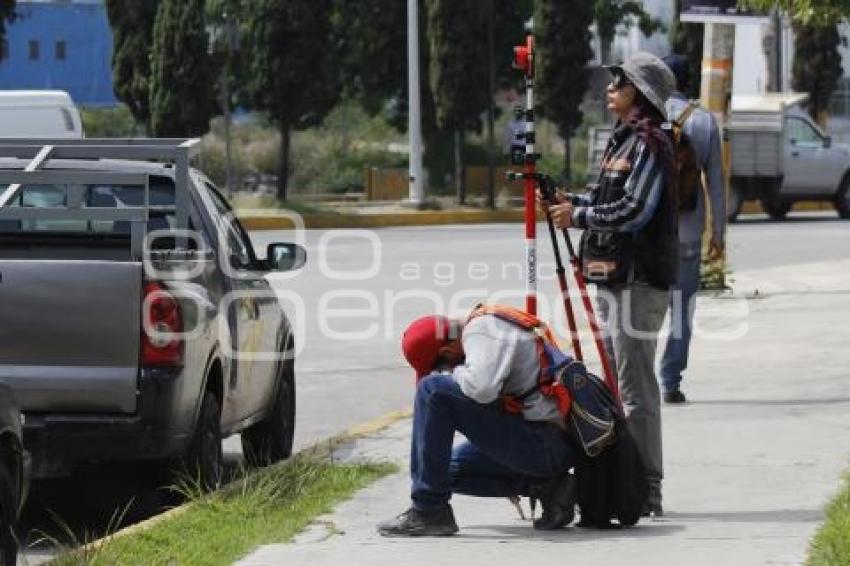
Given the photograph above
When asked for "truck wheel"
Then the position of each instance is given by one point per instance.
(842, 199)
(204, 460)
(270, 440)
(776, 209)
(8, 514)
(734, 202)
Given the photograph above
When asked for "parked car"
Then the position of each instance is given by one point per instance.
(14, 475)
(780, 156)
(125, 338)
(39, 114)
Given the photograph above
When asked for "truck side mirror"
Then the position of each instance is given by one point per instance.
(285, 257)
(827, 142)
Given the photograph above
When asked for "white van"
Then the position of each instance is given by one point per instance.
(39, 114)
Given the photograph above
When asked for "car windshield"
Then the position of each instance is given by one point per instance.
(161, 200)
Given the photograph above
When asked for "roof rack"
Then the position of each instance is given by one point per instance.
(180, 151)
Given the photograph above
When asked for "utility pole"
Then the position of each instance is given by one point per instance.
(716, 88)
(414, 117)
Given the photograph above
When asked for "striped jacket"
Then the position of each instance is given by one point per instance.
(631, 205)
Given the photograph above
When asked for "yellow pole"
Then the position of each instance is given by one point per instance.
(715, 95)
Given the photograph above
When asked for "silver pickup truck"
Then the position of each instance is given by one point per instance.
(136, 322)
(779, 156)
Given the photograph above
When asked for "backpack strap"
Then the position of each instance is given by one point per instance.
(544, 338)
(686, 113)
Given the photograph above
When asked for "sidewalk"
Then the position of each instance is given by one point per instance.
(750, 461)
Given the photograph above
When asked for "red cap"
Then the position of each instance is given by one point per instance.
(422, 341)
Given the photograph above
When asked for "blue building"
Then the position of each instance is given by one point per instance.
(61, 45)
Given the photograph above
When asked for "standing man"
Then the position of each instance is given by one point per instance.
(467, 375)
(703, 135)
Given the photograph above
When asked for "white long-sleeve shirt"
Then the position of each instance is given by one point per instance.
(501, 359)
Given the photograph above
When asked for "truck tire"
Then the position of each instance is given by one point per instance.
(842, 198)
(8, 514)
(734, 202)
(270, 440)
(776, 209)
(204, 460)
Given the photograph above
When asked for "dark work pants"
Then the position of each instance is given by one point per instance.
(503, 453)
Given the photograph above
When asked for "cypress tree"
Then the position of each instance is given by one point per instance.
(132, 35)
(563, 51)
(457, 42)
(182, 89)
(816, 68)
(293, 77)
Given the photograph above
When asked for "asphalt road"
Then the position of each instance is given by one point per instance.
(356, 295)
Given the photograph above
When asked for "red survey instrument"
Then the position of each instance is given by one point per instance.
(524, 61)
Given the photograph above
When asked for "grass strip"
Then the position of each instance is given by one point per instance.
(268, 506)
(831, 544)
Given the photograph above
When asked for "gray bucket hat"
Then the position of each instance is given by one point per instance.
(651, 76)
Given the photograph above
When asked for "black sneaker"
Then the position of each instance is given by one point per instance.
(416, 523)
(674, 397)
(652, 507)
(558, 499)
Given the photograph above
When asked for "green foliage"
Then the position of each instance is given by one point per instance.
(132, 34)
(266, 506)
(831, 544)
(819, 12)
(611, 13)
(292, 74)
(181, 84)
(371, 41)
(686, 40)
(457, 38)
(563, 50)
(816, 68)
(117, 122)
(7, 15)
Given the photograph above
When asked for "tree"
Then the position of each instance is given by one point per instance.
(132, 35)
(805, 11)
(686, 40)
(816, 68)
(182, 89)
(292, 76)
(7, 15)
(608, 14)
(457, 41)
(563, 52)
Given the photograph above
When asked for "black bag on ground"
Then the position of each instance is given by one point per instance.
(612, 485)
(611, 477)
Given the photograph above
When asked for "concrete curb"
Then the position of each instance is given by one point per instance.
(319, 449)
(438, 217)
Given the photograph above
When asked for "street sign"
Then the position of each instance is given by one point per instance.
(719, 12)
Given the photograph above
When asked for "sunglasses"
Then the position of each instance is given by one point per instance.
(620, 81)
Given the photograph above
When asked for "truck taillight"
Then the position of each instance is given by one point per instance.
(161, 320)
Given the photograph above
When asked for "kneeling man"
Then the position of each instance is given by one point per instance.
(480, 377)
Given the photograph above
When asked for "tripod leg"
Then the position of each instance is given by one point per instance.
(565, 292)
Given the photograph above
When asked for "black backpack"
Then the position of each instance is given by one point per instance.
(611, 477)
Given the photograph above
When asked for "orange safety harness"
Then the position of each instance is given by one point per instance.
(546, 382)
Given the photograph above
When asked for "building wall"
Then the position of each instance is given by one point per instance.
(85, 71)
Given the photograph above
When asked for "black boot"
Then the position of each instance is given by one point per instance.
(558, 499)
(415, 523)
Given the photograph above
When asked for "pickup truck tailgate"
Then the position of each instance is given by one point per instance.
(69, 334)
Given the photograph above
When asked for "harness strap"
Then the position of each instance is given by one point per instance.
(546, 383)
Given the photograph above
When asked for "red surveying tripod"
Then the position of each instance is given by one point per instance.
(524, 61)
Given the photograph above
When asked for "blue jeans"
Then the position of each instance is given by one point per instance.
(682, 302)
(504, 453)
